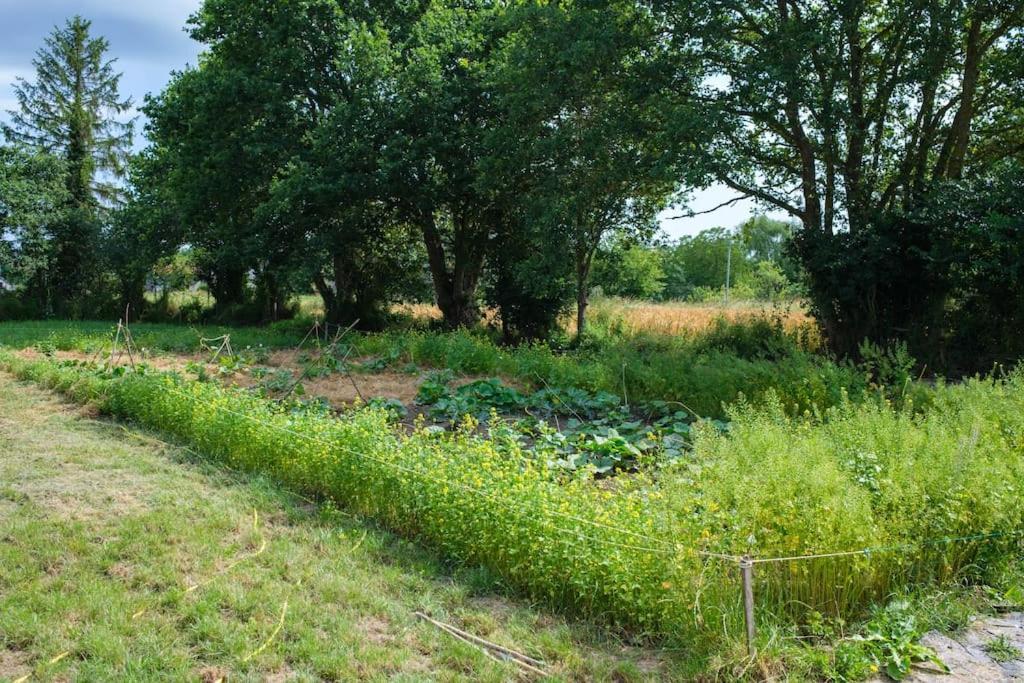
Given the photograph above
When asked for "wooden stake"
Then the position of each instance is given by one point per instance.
(747, 572)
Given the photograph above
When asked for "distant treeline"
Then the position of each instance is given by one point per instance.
(503, 155)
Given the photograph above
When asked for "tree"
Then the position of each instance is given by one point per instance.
(72, 111)
(981, 221)
(843, 113)
(146, 229)
(630, 270)
(584, 115)
(275, 152)
(32, 197)
(702, 261)
(439, 126)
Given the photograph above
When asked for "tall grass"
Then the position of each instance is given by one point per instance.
(703, 372)
(867, 476)
(638, 317)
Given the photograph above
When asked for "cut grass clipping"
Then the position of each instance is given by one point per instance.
(936, 496)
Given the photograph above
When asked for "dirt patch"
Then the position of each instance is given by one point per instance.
(280, 676)
(339, 390)
(14, 664)
(81, 493)
(212, 674)
(376, 629)
(121, 571)
(164, 362)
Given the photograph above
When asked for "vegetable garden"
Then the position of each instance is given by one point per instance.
(636, 513)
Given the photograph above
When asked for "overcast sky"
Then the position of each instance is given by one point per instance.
(148, 39)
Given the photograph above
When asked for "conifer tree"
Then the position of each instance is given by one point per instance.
(73, 111)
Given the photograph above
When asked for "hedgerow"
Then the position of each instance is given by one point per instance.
(934, 495)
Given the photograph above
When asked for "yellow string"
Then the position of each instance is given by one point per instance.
(266, 644)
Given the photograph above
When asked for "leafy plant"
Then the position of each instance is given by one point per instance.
(392, 406)
(891, 642)
(279, 381)
(1001, 650)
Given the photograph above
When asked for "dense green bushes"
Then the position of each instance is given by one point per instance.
(903, 482)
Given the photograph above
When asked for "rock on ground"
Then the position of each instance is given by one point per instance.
(966, 656)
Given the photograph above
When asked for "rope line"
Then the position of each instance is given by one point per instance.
(890, 548)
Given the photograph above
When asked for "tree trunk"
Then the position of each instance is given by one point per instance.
(582, 297)
(584, 258)
(332, 311)
(455, 291)
(961, 131)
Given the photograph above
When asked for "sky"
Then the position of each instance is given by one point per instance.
(147, 37)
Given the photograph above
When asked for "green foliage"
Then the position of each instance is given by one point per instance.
(632, 271)
(701, 261)
(856, 171)
(754, 256)
(769, 486)
(71, 111)
(1001, 650)
(889, 367)
(91, 337)
(32, 198)
(704, 372)
(890, 643)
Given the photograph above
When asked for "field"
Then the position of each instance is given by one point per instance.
(617, 484)
(106, 529)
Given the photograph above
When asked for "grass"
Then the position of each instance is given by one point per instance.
(864, 476)
(102, 522)
(703, 371)
(95, 337)
(637, 317)
(1001, 650)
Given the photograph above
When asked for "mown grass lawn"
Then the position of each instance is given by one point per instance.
(124, 558)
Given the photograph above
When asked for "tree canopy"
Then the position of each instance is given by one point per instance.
(513, 155)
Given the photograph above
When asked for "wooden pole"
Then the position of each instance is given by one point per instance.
(747, 572)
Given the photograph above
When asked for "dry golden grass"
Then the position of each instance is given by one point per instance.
(677, 318)
(421, 313)
(633, 317)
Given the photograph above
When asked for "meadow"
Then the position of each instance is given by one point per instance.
(570, 477)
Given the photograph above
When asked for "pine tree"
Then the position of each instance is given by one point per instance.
(73, 111)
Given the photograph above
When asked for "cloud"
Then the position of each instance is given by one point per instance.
(146, 37)
(138, 30)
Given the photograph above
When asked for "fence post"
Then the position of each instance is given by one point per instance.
(747, 572)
